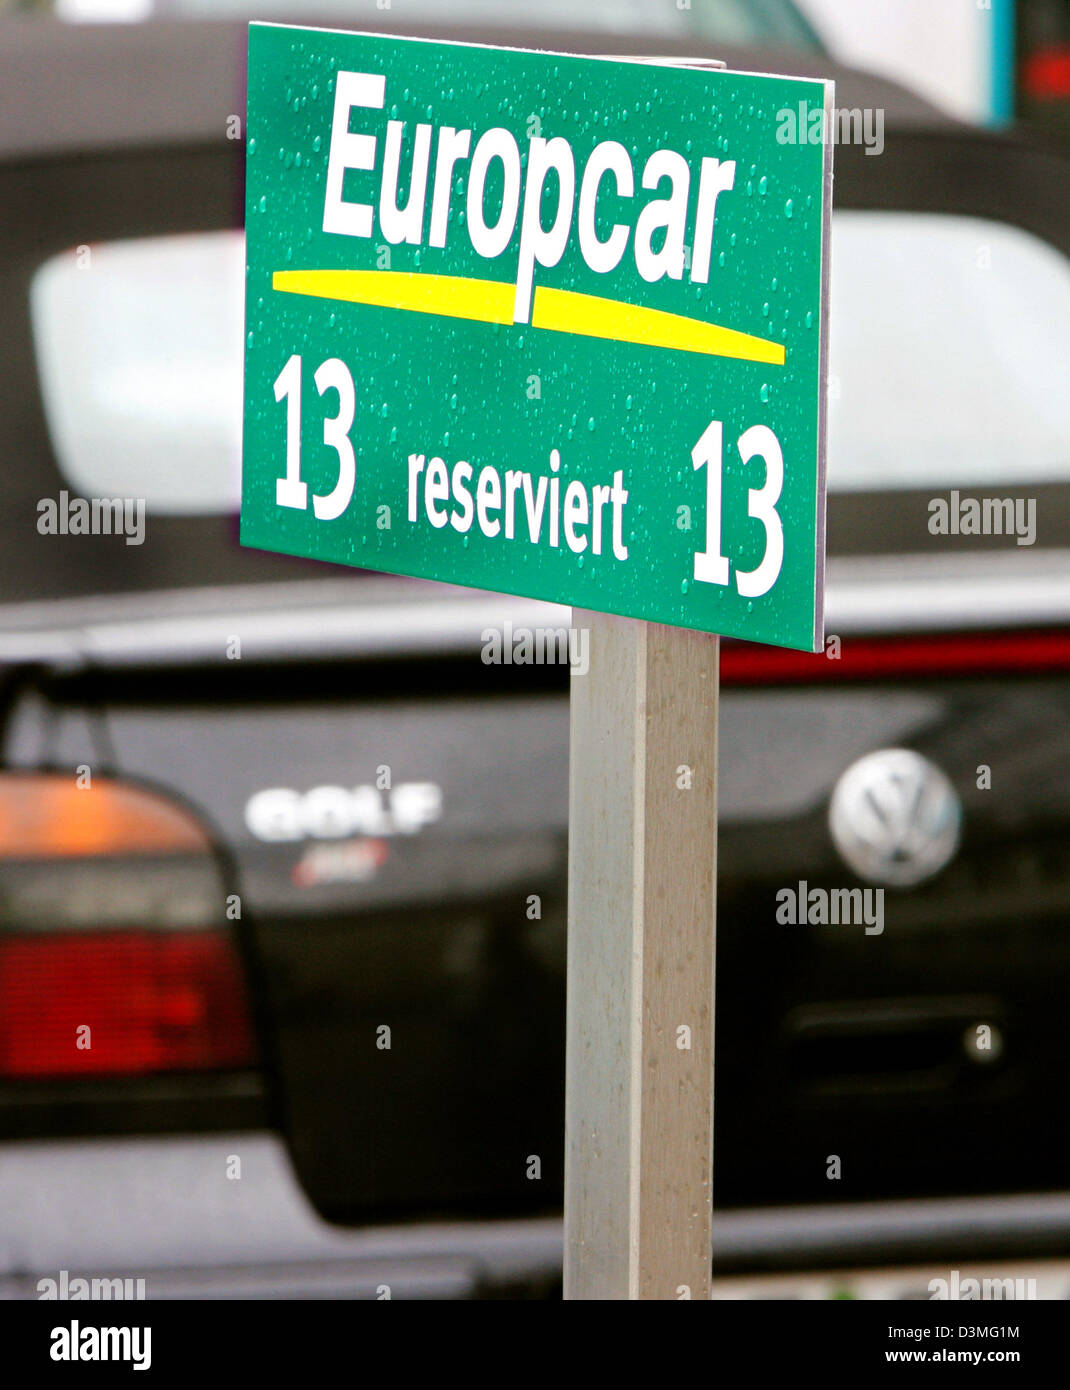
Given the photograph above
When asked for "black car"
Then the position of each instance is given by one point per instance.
(887, 1101)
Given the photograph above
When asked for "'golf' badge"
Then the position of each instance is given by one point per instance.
(547, 325)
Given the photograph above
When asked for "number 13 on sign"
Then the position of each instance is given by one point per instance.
(711, 567)
(291, 491)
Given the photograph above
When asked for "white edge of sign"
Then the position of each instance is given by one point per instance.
(823, 371)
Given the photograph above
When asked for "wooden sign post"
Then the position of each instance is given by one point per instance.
(642, 888)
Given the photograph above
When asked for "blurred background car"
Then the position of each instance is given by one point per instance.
(254, 810)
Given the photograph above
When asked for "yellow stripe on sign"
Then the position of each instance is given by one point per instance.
(485, 301)
(586, 314)
(559, 311)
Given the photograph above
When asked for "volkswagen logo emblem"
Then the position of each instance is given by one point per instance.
(895, 818)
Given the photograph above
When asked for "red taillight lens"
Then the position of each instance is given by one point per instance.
(900, 658)
(1046, 74)
(151, 1001)
(111, 959)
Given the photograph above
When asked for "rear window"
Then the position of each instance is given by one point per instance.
(945, 352)
(947, 363)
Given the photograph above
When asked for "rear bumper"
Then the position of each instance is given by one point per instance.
(165, 1211)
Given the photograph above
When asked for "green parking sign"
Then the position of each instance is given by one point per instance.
(547, 325)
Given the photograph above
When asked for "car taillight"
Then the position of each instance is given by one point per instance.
(899, 658)
(121, 1004)
(1046, 74)
(116, 958)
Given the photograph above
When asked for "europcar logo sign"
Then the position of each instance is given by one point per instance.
(547, 325)
(545, 172)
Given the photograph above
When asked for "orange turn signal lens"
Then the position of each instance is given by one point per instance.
(53, 815)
